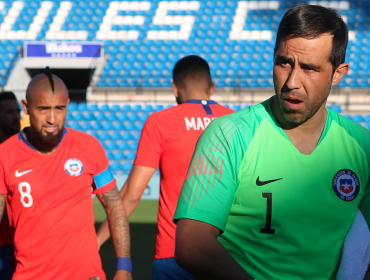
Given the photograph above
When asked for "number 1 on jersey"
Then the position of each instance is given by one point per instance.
(267, 228)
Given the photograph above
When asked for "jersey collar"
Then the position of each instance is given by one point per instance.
(204, 103)
(22, 138)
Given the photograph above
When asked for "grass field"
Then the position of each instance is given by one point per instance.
(143, 228)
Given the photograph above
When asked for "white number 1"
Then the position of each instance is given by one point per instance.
(25, 194)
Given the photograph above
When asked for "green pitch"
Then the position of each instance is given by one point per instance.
(143, 228)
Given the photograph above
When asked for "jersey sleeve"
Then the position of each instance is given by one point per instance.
(103, 176)
(365, 203)
(208, 191)
(151, 143)
(3, 187)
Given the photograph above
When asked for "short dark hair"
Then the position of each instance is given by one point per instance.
(7, 95)
(312, 21)
(193, 67)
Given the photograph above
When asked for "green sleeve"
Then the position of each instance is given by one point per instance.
(365, 203)
(208, 191)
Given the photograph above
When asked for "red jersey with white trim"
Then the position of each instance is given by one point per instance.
(167, 142)
(50, 205)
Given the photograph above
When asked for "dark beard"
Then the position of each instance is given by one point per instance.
(41, 143)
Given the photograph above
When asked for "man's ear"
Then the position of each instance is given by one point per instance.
(212, 89)
(25, 106)
(175, 90)
(339, 73)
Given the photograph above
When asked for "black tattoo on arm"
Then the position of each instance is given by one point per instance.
(117, 221)
(2, 205)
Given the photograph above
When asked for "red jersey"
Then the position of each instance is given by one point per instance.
(167, 141)
(50, 205)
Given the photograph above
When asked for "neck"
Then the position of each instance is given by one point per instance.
(304, 136)
(197, 96)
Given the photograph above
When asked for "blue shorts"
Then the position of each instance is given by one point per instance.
(168, 269)
(6, 262)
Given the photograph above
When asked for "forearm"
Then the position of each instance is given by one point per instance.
(117, 222)
(2, 205)
(212, 261)
(199, 252)
(104, 233)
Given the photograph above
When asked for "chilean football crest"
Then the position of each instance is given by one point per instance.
(73, 167)
(346, 185)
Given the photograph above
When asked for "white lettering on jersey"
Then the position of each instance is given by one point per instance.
(201, 123)
(28, 202)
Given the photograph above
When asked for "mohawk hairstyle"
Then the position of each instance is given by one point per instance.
(48, 73)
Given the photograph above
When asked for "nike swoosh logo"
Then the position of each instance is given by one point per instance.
(262, 183)
(19, 174)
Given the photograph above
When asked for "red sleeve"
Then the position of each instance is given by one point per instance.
(103, 177)
(151, 143)
(3, 187)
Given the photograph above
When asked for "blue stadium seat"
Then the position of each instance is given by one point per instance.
(348, 116)
(127, 167)
(119, 155)
(79, 117)
(337, 108)
(130, 126)
(159, 107)
(133, 146)
(72, 106)
(133, 117)
(111, 117)
(115, 108)
(82, 107)
(119, 126)
(137, 108)
(236, 107)
(122, 117)
(126, 108)
(116, 136)
(97, 126)
(95, 134)
(93, 107)
(367, 119)
(131, 155)
(148, 108)
(69, 116)
(358, 118)
(101, 117)
(89, 116)
(75, 125)
(123, 146)
(115, 166)
(111, 145)
(136, 136)
(104, 136)
(108, 126)
(86, 126)
(139, 126)
(367, 126)
(104, 108)
(126, 136)
(144, 117)
(110, 155)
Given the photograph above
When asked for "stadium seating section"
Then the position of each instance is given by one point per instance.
(118, 127)
(144, 39)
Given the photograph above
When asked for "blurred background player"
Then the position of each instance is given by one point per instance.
(47, 173)
(292, 175)
(167, 142)
(9, 125)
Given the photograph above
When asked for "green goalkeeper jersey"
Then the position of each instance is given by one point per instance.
(282, 214)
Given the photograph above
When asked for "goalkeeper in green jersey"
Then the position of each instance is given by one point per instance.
(272, 190)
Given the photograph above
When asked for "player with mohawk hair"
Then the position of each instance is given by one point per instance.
(47, 174)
